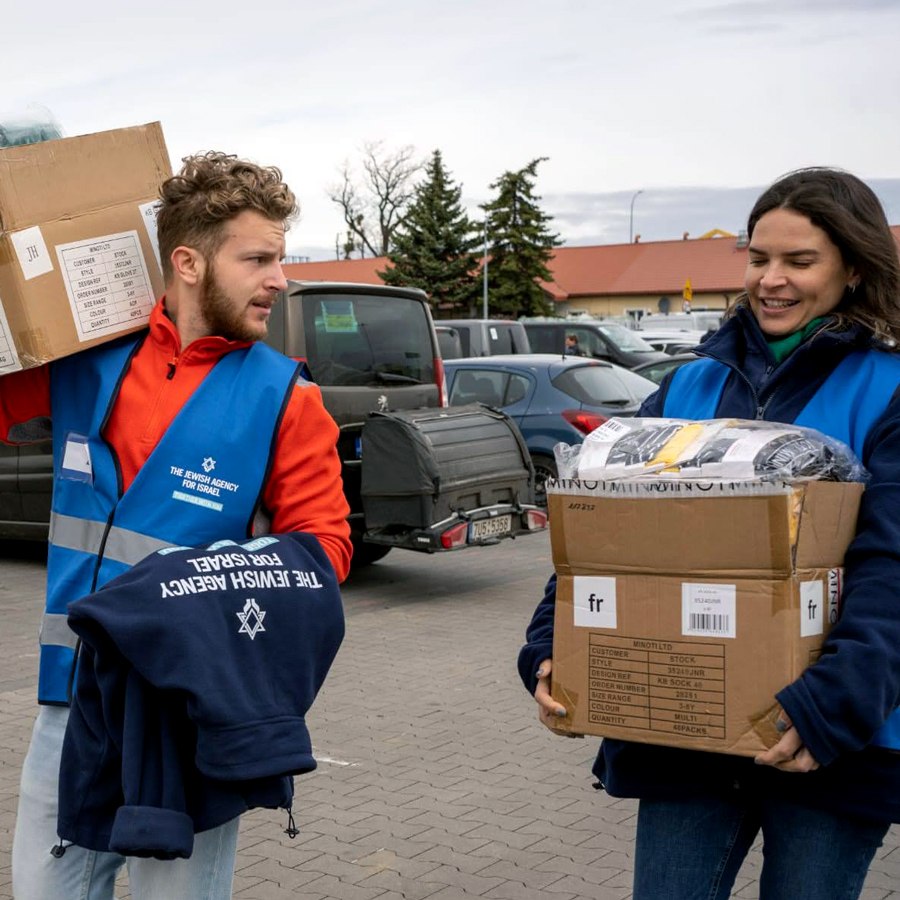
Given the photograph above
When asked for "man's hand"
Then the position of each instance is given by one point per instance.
(549, 711)
(789, 754)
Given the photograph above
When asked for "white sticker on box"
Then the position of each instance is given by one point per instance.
(108, 284)
(32, 252)
(594, 599)
(148, 217)
(9, 359)
(709, 610)
(812, 608)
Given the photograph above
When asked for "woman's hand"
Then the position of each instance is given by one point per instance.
(549, 711)
(789, 754)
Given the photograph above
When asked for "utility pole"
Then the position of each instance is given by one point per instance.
(631, 216)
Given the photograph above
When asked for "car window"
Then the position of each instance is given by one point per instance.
(624, 338)
(589, 342)
(657, 371)
(516, 390)
(603, 385)
(478, 386)
(543, 339)
(367, 340)
(500, 338)
(449, 342)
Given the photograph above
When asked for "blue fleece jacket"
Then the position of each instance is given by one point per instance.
(196, 670)
(838, 703)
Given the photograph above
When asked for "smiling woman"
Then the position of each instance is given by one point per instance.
(812, 341)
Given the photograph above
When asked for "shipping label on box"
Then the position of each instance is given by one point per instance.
(79, 258)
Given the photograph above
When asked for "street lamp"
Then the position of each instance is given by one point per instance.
(634, 197)
(484, 272)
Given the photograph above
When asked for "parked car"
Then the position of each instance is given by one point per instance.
(551, 398)
(372, 349)
(487, 337)
(658, 369)
(597, 339)
(670, 342)
(700, 320)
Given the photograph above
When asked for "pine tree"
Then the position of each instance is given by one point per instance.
(521, 245)
(432, 249)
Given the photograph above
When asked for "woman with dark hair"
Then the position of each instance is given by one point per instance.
(811, 341)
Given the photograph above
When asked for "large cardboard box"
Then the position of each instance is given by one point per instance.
(683, 608)
(79, 262)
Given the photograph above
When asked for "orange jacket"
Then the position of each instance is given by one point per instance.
(303, 492)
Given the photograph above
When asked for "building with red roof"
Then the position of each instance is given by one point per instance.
(608, 279)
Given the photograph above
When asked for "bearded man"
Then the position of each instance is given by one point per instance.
(130, 420)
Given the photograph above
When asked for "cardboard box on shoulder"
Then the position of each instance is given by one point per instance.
(79, 261)
(682, 608)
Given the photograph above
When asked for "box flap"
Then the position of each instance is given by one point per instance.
(43, 182)
(671, 535)
(827, 523)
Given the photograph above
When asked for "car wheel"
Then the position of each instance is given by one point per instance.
(365, 554)
(544, 468)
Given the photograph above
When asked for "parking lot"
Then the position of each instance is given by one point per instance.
(435, 779)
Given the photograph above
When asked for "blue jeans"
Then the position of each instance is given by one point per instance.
(693, 849)
(81, 874)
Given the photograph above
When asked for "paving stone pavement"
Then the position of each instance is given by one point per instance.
(435, 779)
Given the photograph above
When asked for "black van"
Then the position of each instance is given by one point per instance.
(595, 338)
(486, 337)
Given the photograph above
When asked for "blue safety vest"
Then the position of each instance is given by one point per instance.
(845, 407)
(203, 481)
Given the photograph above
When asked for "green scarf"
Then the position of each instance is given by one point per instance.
(783, 347)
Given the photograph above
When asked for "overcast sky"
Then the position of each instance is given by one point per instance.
(697, 104)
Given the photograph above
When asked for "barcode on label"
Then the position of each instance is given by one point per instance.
(709, 623)
(612, 428)
(709, 609)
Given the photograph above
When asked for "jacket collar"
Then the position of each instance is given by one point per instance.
(740, 341)
(165, 335)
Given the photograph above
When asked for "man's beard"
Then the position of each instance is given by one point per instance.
(221, 315)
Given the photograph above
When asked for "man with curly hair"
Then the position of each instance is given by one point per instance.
(196, 391)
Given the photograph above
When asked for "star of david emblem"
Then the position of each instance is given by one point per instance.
(209, 464)
(251, 619)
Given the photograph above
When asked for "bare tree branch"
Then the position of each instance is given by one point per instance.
(374, 210)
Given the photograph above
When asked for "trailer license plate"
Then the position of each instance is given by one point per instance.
(486, 528)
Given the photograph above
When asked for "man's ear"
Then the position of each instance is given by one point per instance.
(188, 265)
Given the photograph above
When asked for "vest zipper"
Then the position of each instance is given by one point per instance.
(759, 407)
(171, 373)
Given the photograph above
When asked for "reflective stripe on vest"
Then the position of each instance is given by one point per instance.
(845, 407)
(202, 482)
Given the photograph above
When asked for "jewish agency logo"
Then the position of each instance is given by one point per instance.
(251, 619)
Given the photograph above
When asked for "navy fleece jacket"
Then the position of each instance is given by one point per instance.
(838, 703)
(196, 671)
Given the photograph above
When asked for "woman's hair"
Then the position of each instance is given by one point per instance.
(211, 189)
(848, 211)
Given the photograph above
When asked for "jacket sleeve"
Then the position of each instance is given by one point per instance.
(538, 637)
(304, 491)
(840, 702)
(25, 406)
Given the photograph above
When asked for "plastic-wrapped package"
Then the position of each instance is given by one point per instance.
(31, 125)
(720, 449)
